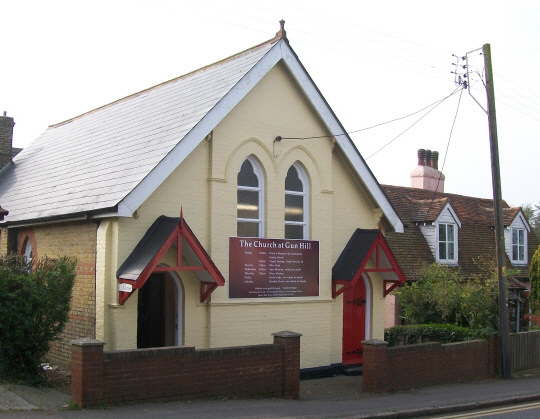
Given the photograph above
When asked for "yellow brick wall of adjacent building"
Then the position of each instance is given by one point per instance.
(76, 240)
(205, 186)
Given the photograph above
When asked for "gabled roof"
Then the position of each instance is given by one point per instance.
(166, 233)
(476, 240)
(111, 159)
(363, 247)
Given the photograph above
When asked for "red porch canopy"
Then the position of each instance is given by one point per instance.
(166, 233)
(365, 246)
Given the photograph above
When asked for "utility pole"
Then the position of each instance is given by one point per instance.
(499, 223)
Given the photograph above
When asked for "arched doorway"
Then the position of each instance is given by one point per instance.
(160, 312)
(356, 320)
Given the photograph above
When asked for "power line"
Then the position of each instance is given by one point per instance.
(436, 103)
(445, 156)
(413, 124)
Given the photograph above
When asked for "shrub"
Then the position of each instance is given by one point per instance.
(34, 309)
(444, 333)
(534, 272)
(442, 295)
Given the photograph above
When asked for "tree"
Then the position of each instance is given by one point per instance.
(34, 309)
(532, 212)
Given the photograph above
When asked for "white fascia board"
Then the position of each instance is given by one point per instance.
(448, 207)
(343, 139)
(193, 138)
(520, 218)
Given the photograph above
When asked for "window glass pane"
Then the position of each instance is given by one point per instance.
(294, 208)
(442, 232)
(442, 250)
(515, 252)
(292, 181)
(522, 237)
(294, 231)
(451, 251)
(514, 236)
(247, 229)
(521, 253)
(248, 204)
(246, 176)
(450, 236)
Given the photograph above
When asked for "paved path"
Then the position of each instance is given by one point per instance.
(336, 397)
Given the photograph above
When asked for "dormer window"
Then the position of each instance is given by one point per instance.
(518, 245)
(446, 243)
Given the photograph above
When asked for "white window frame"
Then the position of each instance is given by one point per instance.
(260, 189)
(455, 242)
(523, 245)
(305, 201)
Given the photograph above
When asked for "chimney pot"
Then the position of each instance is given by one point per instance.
(421, 157)
(435, 160)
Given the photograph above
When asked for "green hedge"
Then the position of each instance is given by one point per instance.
(33, 311)
(444, 333)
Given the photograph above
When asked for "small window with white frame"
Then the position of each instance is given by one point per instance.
(296, 203)
(250, 196)
(447, 243)
(519, 245)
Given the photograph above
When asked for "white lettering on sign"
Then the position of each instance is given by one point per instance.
(125, 287)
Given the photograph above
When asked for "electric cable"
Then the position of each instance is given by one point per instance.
(436, 103)
(418, 120)
(445, 156)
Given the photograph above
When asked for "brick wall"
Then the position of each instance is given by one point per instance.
(174, 373)
(389, 369)
(74, 239)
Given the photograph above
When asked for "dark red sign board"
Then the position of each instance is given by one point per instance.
(263, 268)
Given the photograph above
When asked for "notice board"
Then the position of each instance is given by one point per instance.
(266, 268)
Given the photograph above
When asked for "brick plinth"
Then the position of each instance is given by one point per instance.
(87, 372)
(291, 362)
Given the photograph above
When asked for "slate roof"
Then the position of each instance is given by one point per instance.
(476, 239)
(108, 161)
(93, 161)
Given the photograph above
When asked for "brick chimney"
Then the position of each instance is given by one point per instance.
(427, 175)
(6, 139)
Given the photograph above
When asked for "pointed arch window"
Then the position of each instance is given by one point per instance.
(250, 193)
(296, 203)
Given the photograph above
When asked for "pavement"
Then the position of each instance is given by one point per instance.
(334, 397)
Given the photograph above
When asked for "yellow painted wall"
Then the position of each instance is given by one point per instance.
(205, 186)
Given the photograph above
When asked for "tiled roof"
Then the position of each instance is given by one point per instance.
(476, 240)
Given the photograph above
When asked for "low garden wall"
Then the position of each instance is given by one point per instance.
(387, 369)
(173, 373)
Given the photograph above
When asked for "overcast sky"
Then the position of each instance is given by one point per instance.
(374, 61)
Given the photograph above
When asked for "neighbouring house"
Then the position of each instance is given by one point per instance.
(200, 216)
(456, 230)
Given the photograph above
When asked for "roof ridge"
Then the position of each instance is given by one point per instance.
(275, 39)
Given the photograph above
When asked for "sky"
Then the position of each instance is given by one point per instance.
(373, 61)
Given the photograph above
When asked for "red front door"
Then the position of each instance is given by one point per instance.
(354, 323)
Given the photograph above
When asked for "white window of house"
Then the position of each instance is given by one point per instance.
(250, 195)
(447, 243)
(296, 203)
(28, 253)
(519, 245)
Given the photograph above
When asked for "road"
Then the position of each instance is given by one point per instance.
(521, 411)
